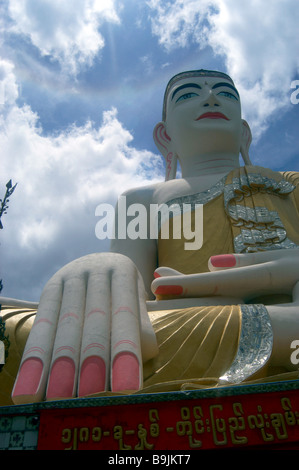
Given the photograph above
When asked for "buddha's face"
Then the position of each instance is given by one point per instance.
(203, 115)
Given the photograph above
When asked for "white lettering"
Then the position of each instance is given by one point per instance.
(118, 460)
(132, 222)
(197, 234)
(294, 95)
(295, 354)
(105, 227)
(160, 216)
(140, 222)
(121, 218)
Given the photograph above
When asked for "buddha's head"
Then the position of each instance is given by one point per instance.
(201, 117)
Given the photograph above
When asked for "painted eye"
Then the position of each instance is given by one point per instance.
(227, 94)
(186, 96)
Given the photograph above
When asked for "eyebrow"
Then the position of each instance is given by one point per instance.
(187, 85)
(226, 85)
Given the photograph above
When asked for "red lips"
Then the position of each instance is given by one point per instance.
(212, 116)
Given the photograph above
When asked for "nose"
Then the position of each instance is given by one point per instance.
(211, 100)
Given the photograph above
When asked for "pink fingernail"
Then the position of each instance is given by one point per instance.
(125, 372)
(92, 376)
(169, 290)
(62, 376)
(29, 377)
(223, 261)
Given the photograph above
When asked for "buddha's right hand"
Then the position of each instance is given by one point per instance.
(90, 334)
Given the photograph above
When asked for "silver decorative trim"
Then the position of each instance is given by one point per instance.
(182, 204)
(250, 241)
(260, 228)
(255, 182)
(250, 216)
(255, 344)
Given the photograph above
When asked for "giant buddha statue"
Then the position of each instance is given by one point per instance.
(156, 314)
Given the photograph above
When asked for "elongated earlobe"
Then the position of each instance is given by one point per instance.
(246, 139)
(163, 143)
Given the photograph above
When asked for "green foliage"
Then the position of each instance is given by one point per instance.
(4, 202)
(3, 209)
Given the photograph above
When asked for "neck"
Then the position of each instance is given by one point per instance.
(209, 165)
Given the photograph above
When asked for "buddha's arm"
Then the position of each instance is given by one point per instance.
(142, 251)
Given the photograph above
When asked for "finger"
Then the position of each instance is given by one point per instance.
(126, 358)
(168, 285)
(227, 261)
(31, 381)
(165, 271)
(95, 347)
(66, 350)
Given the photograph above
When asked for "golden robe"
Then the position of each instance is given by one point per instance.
(252, 209)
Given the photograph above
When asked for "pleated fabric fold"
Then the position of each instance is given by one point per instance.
(194, 343)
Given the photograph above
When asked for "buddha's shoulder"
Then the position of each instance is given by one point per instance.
(157, 192)
(161, 192)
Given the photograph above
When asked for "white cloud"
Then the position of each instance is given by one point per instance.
(8, 85)
(67, 31)
(259, 41)
(61, 180)
(178, 22)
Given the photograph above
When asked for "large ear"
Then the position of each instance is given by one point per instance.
(163, 143)
(246, 139)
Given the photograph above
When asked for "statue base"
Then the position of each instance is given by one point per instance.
(240, 417)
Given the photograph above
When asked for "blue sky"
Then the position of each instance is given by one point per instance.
(81, 88)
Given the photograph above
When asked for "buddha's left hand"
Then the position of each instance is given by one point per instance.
(245, 276)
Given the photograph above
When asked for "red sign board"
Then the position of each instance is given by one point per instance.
(238, 421)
